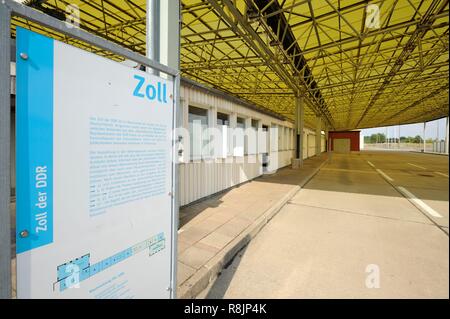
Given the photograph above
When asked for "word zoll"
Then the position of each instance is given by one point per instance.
(149, 91)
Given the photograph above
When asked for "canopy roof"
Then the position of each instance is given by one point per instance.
(353, 73)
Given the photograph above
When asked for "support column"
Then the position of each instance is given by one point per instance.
(152, 32)
(163, 32)
(424, 142)
(361, 142)
(387, 137)
(318, 135)
(163, 45)
(446, 136)
(299, 125)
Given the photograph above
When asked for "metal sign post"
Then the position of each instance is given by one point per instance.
(5, 139)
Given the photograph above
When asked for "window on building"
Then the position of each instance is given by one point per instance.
(223, 119)
(198, 123)
(240, 123)
(252, 138)
(223, 123)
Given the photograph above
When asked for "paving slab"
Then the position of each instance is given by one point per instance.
(184, 272)
(217, 240)
(196, 256)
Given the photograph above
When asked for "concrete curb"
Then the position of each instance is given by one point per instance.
(209, 272)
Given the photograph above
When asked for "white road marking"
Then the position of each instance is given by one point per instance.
(442, 174)
(418, 166)
(418, 202)
(371, 164)
(385, 175)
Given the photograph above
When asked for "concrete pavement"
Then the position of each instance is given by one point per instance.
(349, 233)
(424, 176)
(214, 230)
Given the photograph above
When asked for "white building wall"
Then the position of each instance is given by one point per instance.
(311, 144)
(202, 178)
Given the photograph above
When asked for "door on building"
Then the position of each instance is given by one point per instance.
(341, 145)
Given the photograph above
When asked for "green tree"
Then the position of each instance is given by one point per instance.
(381, 138)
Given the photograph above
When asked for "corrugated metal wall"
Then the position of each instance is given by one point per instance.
(201, 178)
(311, 145)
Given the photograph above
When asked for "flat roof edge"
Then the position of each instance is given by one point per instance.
(228, 96)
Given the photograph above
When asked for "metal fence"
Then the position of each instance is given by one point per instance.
(430, 147)
(438, 147)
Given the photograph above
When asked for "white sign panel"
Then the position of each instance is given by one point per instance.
(94, 177)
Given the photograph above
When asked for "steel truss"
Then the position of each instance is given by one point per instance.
(269, 51)
(352, 75)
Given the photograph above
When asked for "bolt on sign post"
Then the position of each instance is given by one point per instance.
(95, 175)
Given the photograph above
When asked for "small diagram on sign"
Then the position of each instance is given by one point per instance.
(71, 273)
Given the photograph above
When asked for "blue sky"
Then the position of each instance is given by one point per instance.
(412, 129)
